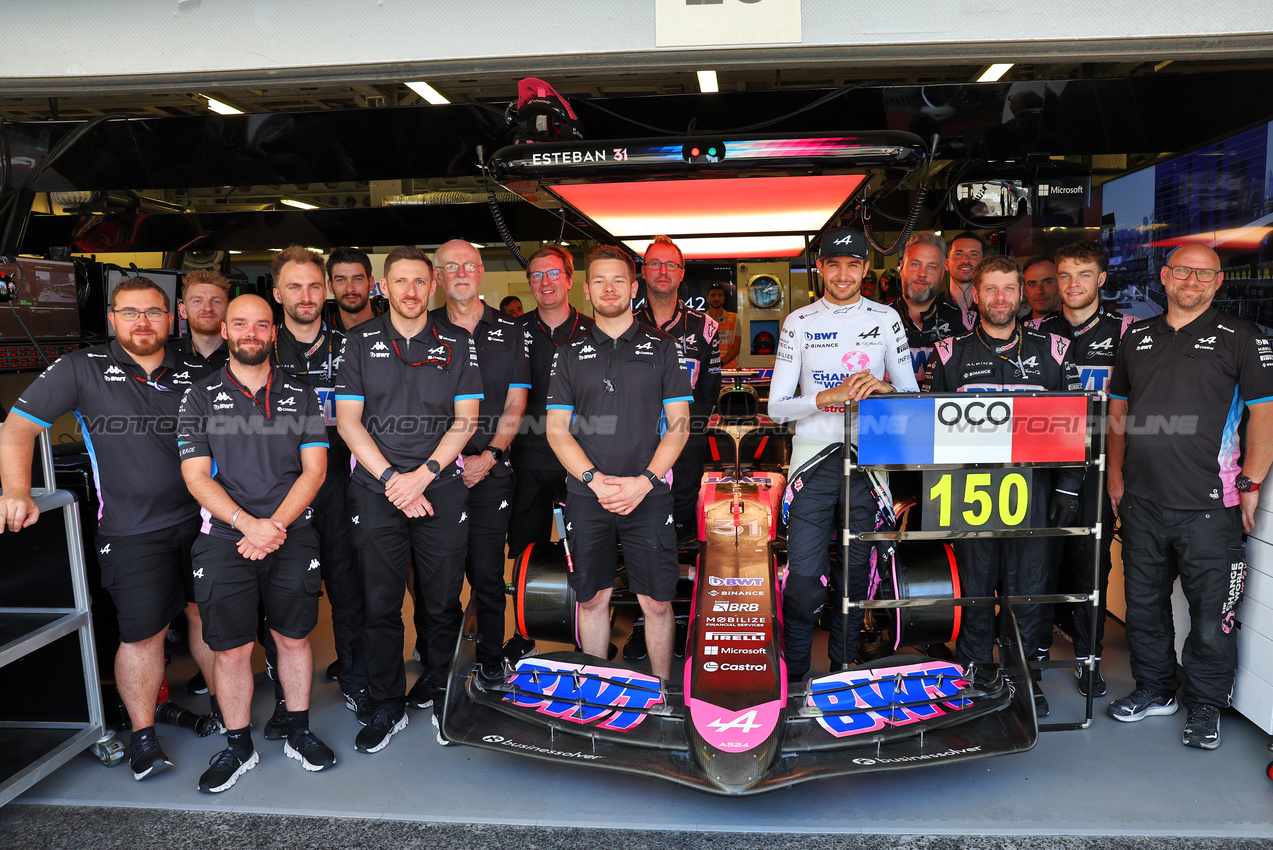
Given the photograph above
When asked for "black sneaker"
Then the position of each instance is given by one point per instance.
(197, 685)
(1202, 730)
(147, 757)
(333, 671)
(1091, 680)
(304, 746)
(385, 723)
(518, 648)
(226, 769)
(634, 649)
(276, 726)
(437, 724)
(1140, 704)
(362, 705)
(681, 636)
(421, 693)
(1041, 707)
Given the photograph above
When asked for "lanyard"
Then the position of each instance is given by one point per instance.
(997, 350)
(441, 364)
(268, 381)
(330, 337)
(574, 323)
(151, 381)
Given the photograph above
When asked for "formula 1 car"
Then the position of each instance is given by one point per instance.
(732, 724)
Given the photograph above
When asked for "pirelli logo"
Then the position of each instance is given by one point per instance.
(739, 636)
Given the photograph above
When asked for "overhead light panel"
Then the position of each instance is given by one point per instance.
(707, 82)
(994, 73)
(221, 108)
(300, 205)
(428, 92)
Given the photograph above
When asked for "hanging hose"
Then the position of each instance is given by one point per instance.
(907, 226)
(504, 232)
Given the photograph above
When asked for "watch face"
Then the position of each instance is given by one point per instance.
(764, 291)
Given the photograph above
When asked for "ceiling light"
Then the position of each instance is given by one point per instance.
(707, 82)
(994, 73)
(428, 92)
(300, 205)
(232, 251)
(730, 247)
(221, 108)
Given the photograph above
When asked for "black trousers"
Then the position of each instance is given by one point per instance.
(387, 540)
(1205, 549)
(687, 477)
(1074, 572)
(490, 507)
(535, 493)
(341, 573)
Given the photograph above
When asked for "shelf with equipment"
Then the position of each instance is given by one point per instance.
(52, 709)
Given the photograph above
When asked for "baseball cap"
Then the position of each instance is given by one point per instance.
(843, 242)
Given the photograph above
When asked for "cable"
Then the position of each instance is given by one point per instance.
(907, 227)
(25, 330)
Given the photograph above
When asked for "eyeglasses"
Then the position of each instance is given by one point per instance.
(552, 274)
(659, 264)
(452, 268)
(1203, 275)
(134, 315)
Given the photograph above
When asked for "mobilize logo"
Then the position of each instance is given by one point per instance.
(380, 350)
(722, 605)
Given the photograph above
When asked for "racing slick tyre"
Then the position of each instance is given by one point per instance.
(544, 605)
(925, 569)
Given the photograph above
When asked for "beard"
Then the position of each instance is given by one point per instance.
(249, 357)
(1000, 317)
(919, 293)
(355, 307)
(141, 347)
(1189, 299)
(296, 315)
(208, 325)
(612, 312)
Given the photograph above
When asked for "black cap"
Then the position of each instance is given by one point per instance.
(843, 242)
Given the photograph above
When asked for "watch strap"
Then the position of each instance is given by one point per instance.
(433, 466)
(588, 475)
(386, 475)
(654, 479)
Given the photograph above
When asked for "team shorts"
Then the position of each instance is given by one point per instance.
(229, 588)
(148, 577)
(648, 535)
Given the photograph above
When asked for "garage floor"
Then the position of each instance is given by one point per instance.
(1113, 779)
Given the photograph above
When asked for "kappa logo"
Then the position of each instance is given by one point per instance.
(669, 520)
(313, 564)
(503, 505)
(105, 550)
(464, 515)
(222, 397)
(114, 373)
(197, 573)
(380, 350)
(1145, 344)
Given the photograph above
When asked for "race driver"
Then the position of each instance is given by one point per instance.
(836, 350)
(618, 415)
(1002, 355)
(126, 395)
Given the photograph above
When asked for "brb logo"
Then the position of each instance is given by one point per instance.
(892, 696)
(578, 693)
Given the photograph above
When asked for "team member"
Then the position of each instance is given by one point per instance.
(349, 273)
(265, 433)
(1093, 333)
(204, 296)
(125, 395)
(1185, 496)
(501, 356)
(966, 251)
(309, 350)
(836, 350)
(511, 306)
(727, 338)
(927, 318)
(621, 378)
(1041, 295)
(1002, 355)
(407, 401)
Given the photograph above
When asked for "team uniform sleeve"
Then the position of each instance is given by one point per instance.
(349, 379)
(468, 386)
(708, 389)
(784, 404)
(561, 395)
(1071, 380)
(1119, 381)
(52, 393)
(192, 425)
(897, 360)
(314, 423)
(1255, 370)
(521, 361)
(940, 383)
(675, 378)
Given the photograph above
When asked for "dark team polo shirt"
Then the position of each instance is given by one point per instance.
(255, 441)
(1186, 392)
(616, 389)
(408, 388)
(331, 311)
(967, 318)
(1028, 362)
(531, 449)
(1093, 343)
(315, 364)
(941, 320)
(214, 361)
(129, 422)
(695, 334)
(501, 356)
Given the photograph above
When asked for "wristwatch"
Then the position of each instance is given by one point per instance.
(1246, 485)
(498, 454)
(654, 479)
(587, 476)
(387, 474)
(433, 466)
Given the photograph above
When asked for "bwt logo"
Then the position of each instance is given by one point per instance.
(809, 335)
(581, 694)
(715, 581)
(895, 697)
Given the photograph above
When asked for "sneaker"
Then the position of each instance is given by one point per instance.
(362, 705)
(1041, 707)
(1091, 680)
(304, 746)
(1140, 704)
(1202, 730)
(518, 648)
(147, 757)
(197, 685)
(681, 637)
(385, 723)
(226, 769)
(634, 649)
(421, 693)
(415, 654)
(438, 726)
(333, 671)
(276, 726)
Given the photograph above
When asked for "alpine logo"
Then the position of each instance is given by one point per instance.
(871, 334)
(437, 351)
(1103, 345)
(846, 239)
(496, 334)
(380, 350)
(197, 573)
(354, 519)
(105, 550)
(1209, 340)
(645, 346)
(289, 403)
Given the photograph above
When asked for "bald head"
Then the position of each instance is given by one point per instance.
(1195, 255)
(1191, 294)
(463, 280)
(249, 329)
